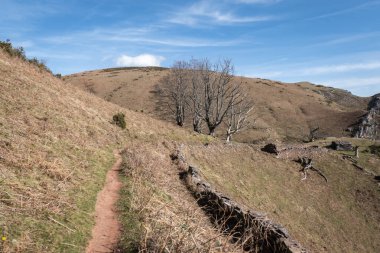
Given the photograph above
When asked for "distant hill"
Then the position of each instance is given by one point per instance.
(283, 111)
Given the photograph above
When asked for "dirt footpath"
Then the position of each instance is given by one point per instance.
(106, 232)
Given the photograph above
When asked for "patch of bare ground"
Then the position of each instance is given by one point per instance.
(106, 232)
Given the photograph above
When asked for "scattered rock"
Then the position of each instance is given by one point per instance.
(341, 146)
(270, 148)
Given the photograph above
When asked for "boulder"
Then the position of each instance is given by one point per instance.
(341, 146)
(270, 148)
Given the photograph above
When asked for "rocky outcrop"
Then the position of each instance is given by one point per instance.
(368, 125)
(252, 229)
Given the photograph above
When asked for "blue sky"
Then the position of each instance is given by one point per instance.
(335, 43)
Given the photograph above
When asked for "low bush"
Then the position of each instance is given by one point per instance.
(375, 149)
(19, 52)
(119, 120)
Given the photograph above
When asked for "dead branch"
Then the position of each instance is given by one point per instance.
(307, 164)
(319, 172)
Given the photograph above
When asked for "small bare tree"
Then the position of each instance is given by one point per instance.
(175, 87)
(237, 117)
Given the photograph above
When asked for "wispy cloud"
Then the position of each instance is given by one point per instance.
(328, 69)
(347, 10)
(355, 82)
(347, 39)
(137, 35)
(141, 60)
(257, 1)
(12, 10)
(51, 54)
(207, 12)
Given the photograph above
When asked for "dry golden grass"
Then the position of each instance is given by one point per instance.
(282, 111)
(339, 216)
(169, 217)
(368, 161)
(56, 144)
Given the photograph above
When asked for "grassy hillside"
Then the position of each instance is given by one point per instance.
(339, 216)
(283, 111)
(55, 146)
(57, 142)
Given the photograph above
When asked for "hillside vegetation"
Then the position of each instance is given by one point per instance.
(282, 111)
(56, 145)
(57, 142)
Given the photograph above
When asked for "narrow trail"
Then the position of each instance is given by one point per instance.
(106, 232)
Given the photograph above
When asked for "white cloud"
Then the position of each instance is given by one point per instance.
(141, 60)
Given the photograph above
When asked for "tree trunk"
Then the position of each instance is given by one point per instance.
(212, 131)
(229, 137)
(229, 134)
(197, 126)
(180, 117)
(357, 151)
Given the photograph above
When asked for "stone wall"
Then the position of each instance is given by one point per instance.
(252, 229)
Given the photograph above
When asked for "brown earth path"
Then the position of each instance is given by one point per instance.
(106, 232)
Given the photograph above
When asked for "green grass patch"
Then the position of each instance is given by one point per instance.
(131, 227)
(46, 229)
(82, 219)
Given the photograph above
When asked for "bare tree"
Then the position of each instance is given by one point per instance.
(195, 95)
(175, 87)
(207, 91)
(219, 91)
(236, 118)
